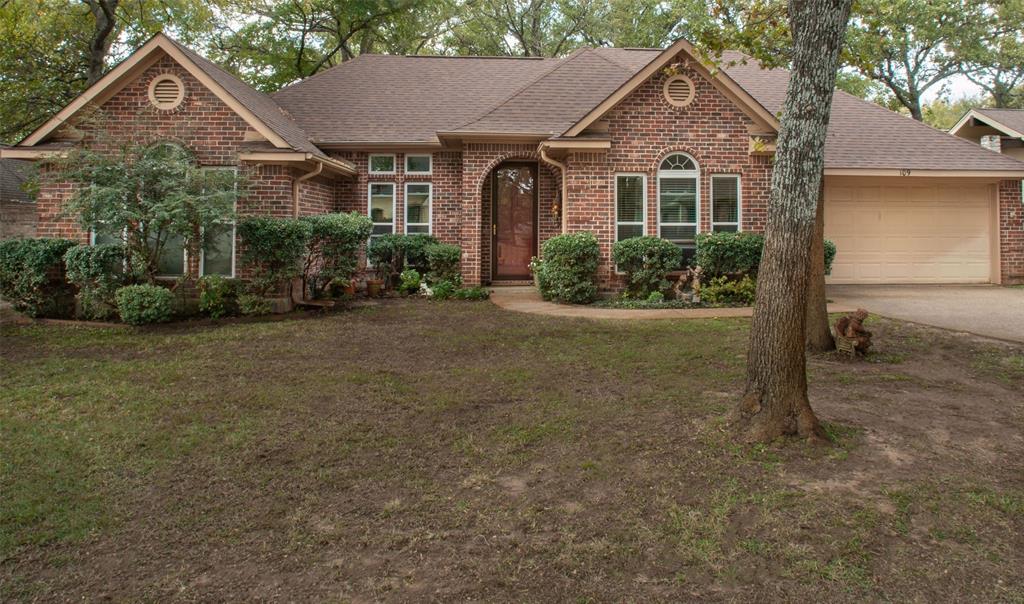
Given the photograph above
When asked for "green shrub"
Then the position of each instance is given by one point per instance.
(656, 298)
(253, 305)
(218, 296)
(830, 255)
(736, 254)
(472, 293)
(332, 250)
(722, 290)
(401, 251)
(144, 304)
(98, 271)
(646, 262)
(443, 260)
(411, 280)
(30, 276)
(569, 268)
(443, 290)
(274, 249)
(729, 254)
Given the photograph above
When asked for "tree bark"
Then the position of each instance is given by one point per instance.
(818, 335)
(775, 400)
(105, 22)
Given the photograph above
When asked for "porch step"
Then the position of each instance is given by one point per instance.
(519, 283)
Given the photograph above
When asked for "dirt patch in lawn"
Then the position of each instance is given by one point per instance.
(417, 451)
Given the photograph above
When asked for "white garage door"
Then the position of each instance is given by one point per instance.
(909, 233)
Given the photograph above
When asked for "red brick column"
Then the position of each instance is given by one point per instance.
(1011, 233)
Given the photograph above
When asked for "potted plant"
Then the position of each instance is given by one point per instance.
(350, 288)
(375, 283)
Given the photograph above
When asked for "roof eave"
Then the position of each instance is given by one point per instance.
(919, 172)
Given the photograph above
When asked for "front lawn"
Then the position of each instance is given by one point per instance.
(455, 451)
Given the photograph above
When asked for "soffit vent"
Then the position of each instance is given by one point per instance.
(679, 91)
(166, 91)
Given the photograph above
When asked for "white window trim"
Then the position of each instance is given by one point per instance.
(430, 161)
(369, 163)
(184, 266)
(618, 222)
(673, 174)
(430, 207)
(369, 203)
(739, 202)
(234, 231)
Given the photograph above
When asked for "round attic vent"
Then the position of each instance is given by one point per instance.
(166, 91)
(679, 91)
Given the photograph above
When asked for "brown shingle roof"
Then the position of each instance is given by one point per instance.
(264, 107)
(863, 135)
(397, 99)
(1011, 118)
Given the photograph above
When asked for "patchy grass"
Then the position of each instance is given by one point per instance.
(455, 451)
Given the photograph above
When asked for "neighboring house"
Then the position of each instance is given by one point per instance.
(499, 154)
(999, 130)
(17, 208)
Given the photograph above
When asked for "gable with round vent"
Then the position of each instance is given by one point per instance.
(679, 90)
(166, 91)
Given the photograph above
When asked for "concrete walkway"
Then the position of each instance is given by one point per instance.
(527, 299)
(985, 310)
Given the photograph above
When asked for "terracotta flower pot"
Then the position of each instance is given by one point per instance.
(373, 287)
(350, 288)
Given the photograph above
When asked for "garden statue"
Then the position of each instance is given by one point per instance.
(687, 287)
(850, 333)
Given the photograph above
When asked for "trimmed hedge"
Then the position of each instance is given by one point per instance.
(568, 271)
(144, 304)
(401, 251)
(646, 261)
(444, 260)
(30, 276)
(98, 271)
(332, 250)
(737, 254)
(274, 248)
(722, 290)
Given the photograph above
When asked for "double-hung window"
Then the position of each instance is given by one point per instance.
(417, 207)
(630, 205)
(725, 203)
(218, 254)
(679, 202)
(382, 208)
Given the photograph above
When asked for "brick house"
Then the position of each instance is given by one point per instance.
(499, 154)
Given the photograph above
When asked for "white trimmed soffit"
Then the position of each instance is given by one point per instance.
(992, 122)
(143, 58)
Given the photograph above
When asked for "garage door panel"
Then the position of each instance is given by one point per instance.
(909, 234)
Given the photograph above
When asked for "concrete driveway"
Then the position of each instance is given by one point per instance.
(985, 310)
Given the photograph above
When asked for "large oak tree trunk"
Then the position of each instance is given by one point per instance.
(775, 401)
(104, 13)
(819, 337)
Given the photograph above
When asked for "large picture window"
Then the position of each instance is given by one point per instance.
(630, 205)
(417, 208)
(679, 202)
(382, 208)
(725, 203)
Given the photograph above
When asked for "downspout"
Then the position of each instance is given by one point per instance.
(565, 185)
(298, 181)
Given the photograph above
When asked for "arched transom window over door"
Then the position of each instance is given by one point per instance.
(679, 202)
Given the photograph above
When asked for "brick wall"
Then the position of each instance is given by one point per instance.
(644, 128)
(1011, 232)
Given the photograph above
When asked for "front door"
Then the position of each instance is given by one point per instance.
(514, 217)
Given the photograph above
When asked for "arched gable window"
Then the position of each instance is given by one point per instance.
(679, 202)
